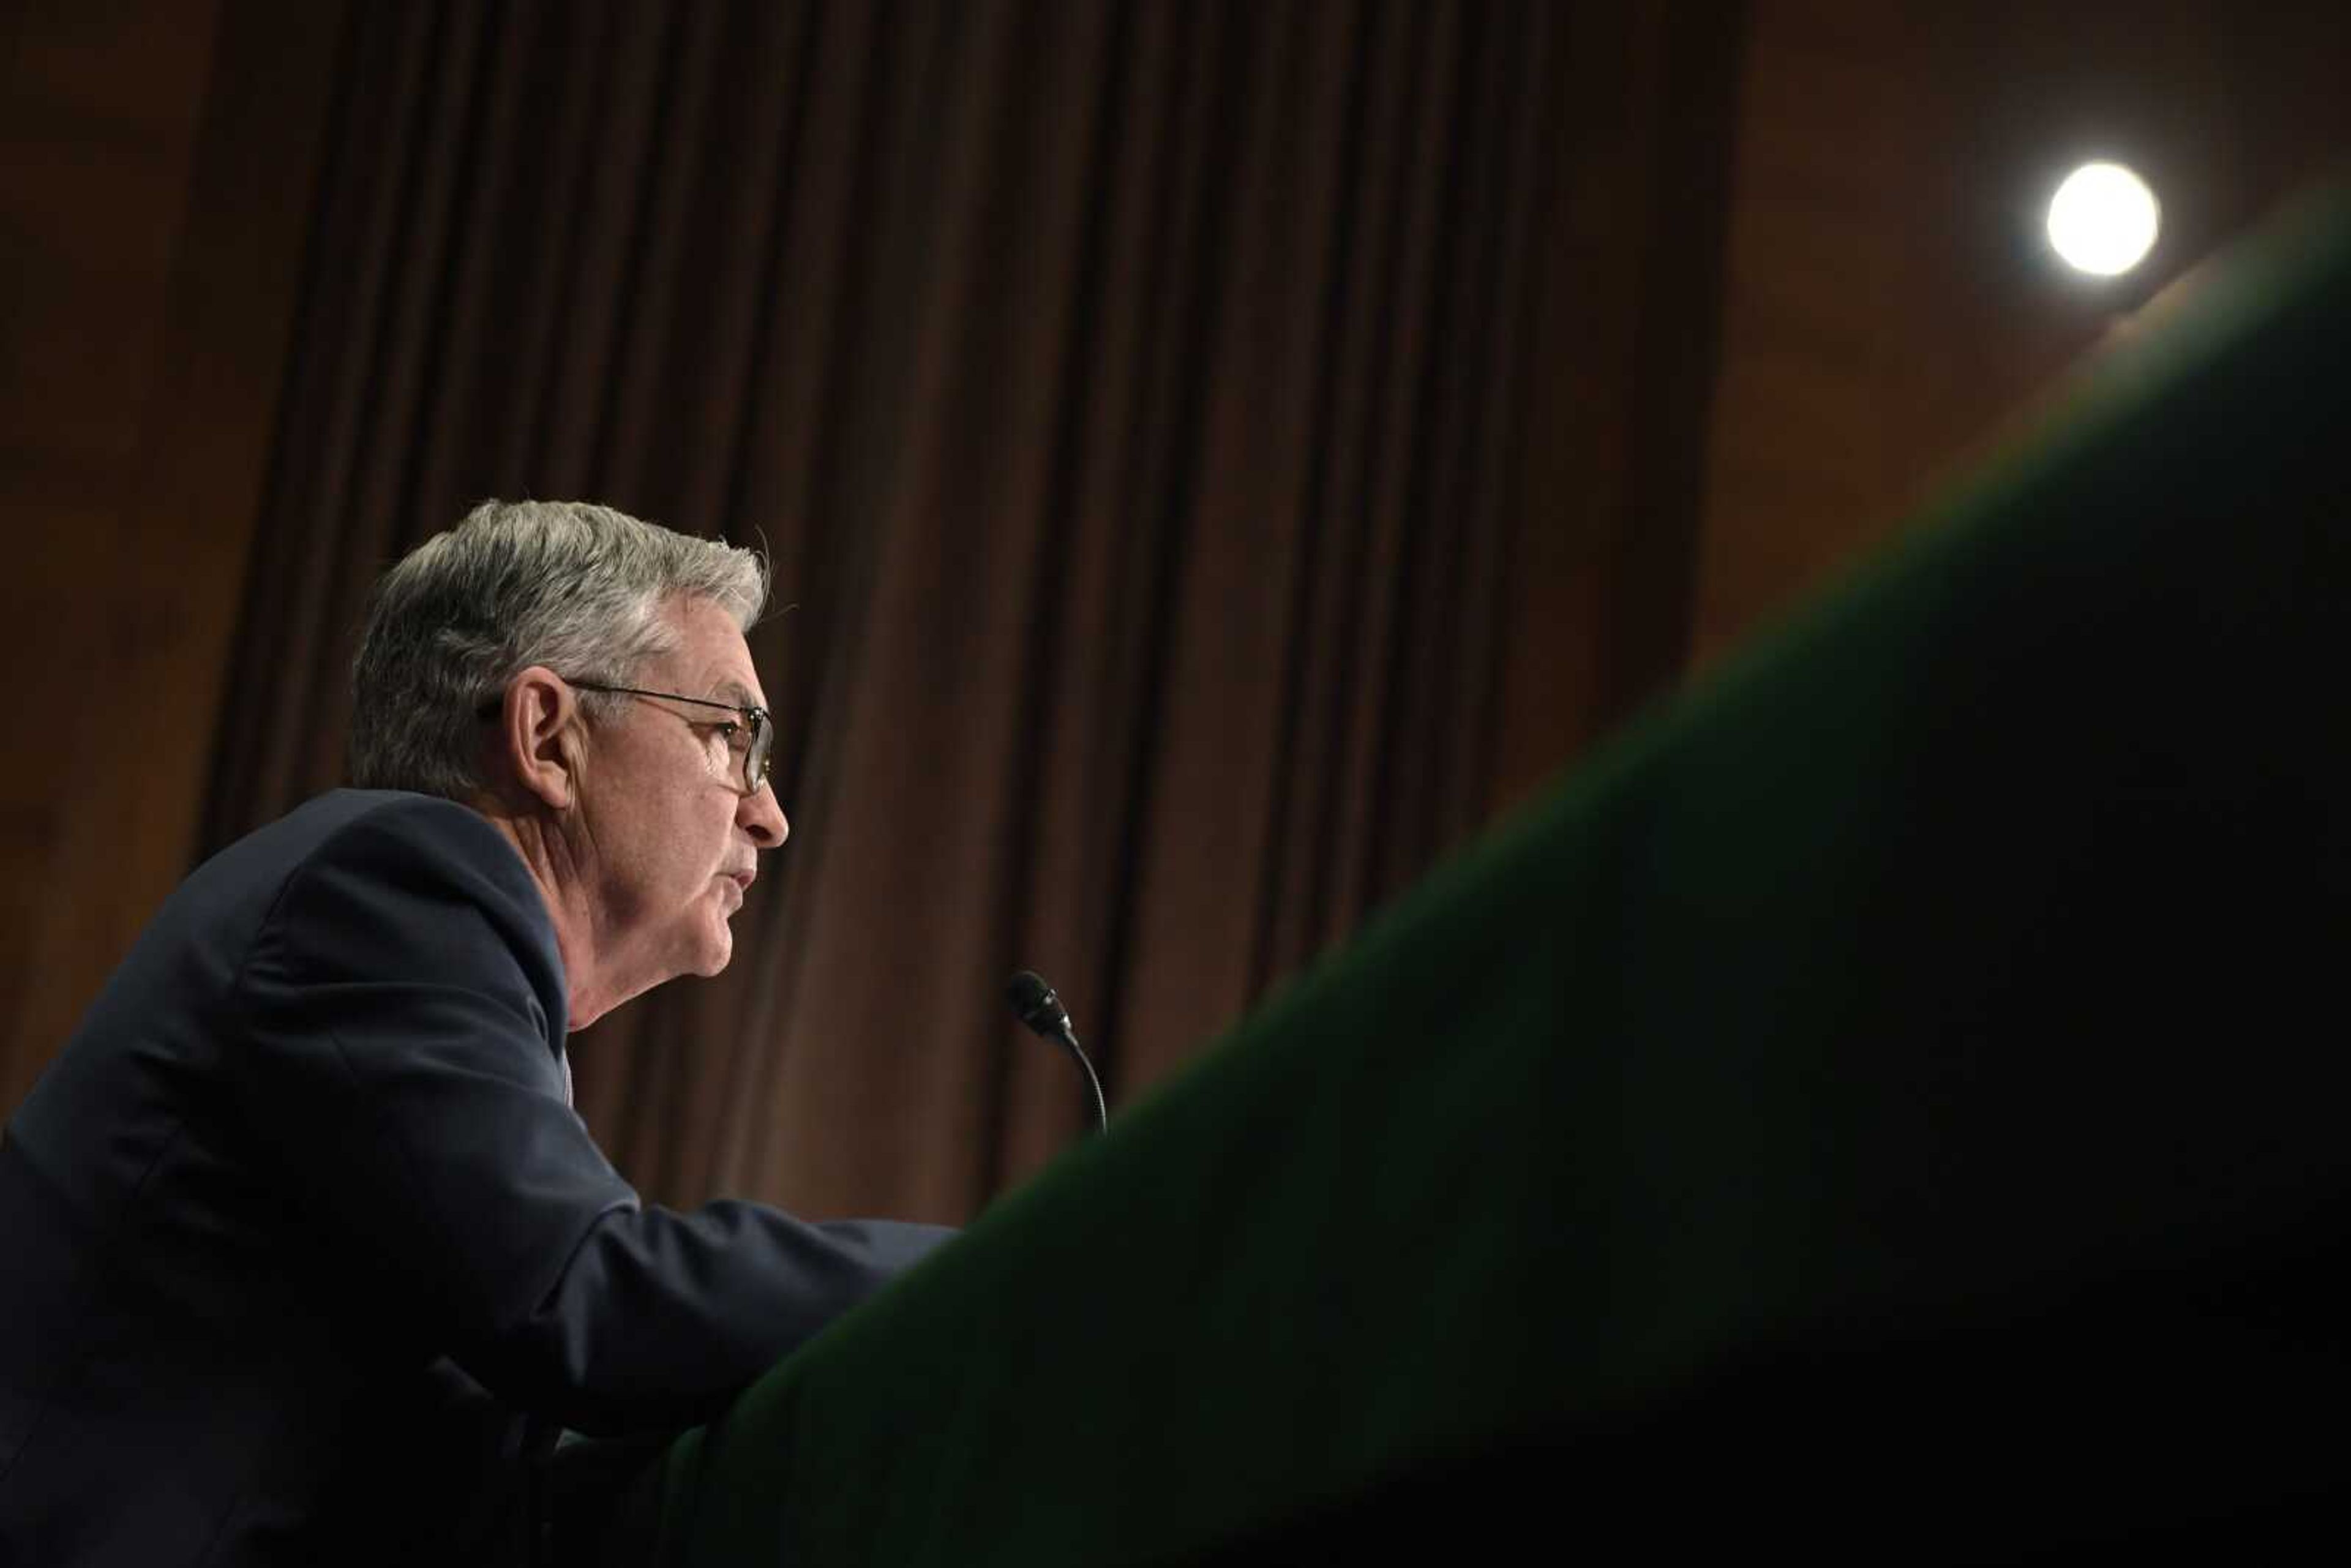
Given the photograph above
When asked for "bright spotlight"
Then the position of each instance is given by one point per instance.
(2102, 219)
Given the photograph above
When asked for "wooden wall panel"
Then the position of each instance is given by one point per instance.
(1889, 300)
(156, 163)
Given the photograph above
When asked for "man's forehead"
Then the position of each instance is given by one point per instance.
(712, 657)
(722, 678)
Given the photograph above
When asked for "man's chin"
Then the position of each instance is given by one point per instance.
(712, 954)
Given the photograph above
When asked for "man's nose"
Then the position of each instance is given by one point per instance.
(763, 818)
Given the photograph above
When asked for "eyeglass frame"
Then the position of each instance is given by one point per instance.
(760, 753)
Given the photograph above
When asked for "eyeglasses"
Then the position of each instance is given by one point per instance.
(752, 740)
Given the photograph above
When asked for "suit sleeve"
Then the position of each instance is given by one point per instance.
(397, 1059)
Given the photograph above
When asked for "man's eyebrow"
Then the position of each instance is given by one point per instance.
(735, 692)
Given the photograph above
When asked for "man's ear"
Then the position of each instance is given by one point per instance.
(540, 731)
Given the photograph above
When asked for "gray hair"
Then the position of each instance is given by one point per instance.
(576, 588)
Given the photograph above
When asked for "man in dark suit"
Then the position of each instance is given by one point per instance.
(307, 1257)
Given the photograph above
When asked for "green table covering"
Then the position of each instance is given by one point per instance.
(1891, 1103)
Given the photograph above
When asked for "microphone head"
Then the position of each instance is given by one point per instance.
(1034, 1003)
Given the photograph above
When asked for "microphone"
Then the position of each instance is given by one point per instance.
(1034, 1004)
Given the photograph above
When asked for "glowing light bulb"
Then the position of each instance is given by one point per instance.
(2102, 219)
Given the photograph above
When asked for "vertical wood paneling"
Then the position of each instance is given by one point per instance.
(155, 230)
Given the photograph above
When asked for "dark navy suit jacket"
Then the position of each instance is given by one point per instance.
(303, 1249)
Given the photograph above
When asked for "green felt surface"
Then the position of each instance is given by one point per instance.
(1951, 981)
